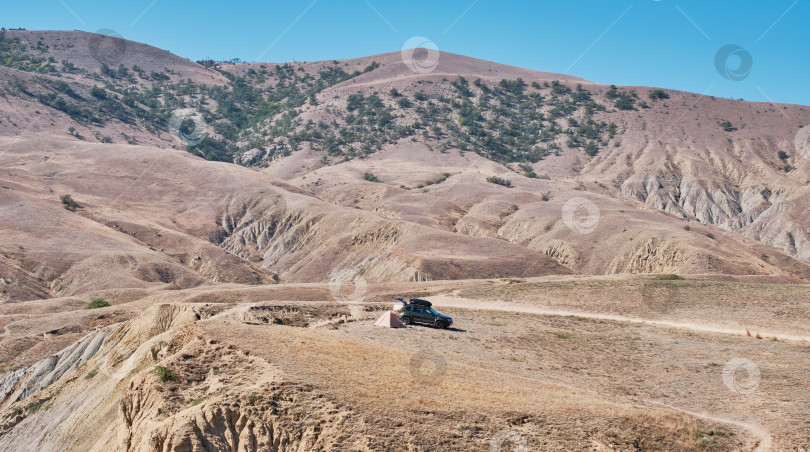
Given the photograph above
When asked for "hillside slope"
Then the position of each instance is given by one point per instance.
(363, 165)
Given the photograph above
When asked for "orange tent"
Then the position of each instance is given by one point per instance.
(389, 319)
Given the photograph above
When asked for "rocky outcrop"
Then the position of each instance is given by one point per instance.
(103, 393)
(651, 256)
(563, 254)
(23, 382)
(755, 210)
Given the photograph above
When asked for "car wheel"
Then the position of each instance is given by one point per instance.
(406, 320)
(440, 325)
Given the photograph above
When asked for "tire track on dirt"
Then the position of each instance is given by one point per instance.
(465, 303)
(763, 436)
(765, 441)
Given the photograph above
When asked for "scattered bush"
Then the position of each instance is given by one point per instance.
(33, 407)
(727, 126)
(371, 177)
(164, 374)
(591, 148)
(658, 94)
(438, 180)
(69, 203)
(669, 277)
(500, 181)
(625, 103)
(783, 155)
(217, 236)
(97, 303)
(98, 93)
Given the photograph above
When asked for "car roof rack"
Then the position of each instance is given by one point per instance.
(421, 302)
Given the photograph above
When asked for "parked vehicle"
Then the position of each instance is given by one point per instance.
(421, 312)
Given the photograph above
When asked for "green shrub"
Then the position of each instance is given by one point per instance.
(783, 155)
(99, 93)
(727, 126)
(438, 180)
(658, 94)
(69, 203)
(499, 181)
(371, 177)
(33, 407)
(625, 103)
(669, 277)
(591, 148)
(97, 303)
(164, 374)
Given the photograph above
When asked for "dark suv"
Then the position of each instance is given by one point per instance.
(426, 315)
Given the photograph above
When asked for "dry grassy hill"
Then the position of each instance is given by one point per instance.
(554, 218)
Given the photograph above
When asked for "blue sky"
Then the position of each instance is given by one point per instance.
(672, 44)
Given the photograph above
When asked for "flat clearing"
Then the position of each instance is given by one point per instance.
(562, 364)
